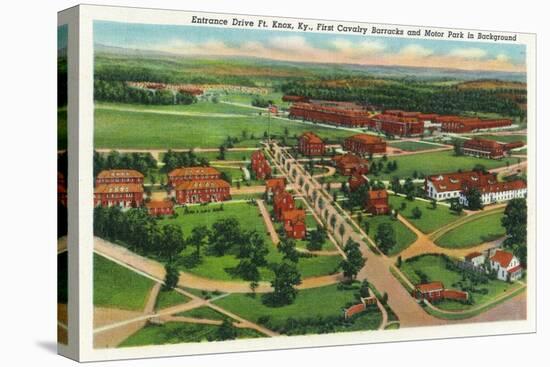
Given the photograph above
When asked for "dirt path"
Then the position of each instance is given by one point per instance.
(330, 171)
(513, 309)
(268, 223)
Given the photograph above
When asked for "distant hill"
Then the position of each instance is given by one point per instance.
(375, 71)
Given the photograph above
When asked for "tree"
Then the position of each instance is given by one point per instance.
(416, 213)
(226, 331)
(457, 145)
(366, 227)
(408, 189)
(433, 203)
(288, 248)
(172, 276)
(364, 289)
(253, 247)
(173, 242)
(317, 238)
(399, 261)
(198, 238)
(354, 260)
(225, 234)
(514, 222)
(456, 207)
(473, 196)
(385, 237)
(286, 278)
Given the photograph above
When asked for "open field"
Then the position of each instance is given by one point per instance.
(204, 313)
(306, 305)
(434, 267)
(484, 229)
(413, 146)
(128, 129)
(223, 267)
(437, 162)
(118, 287)
(170, 298)
(430, 220)
(179, 332)
(403, 235)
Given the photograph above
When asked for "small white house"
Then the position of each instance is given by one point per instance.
(506, 265)
(475, 259)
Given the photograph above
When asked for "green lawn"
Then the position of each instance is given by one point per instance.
(229, 155)
(170, 298)
(413, 146)
(404, 236)
(222, 267)
(316, 302)
(484, 229)
(179, 332)
(435, 269)
(437, 162)
(430, 220)
(125, 129)
(118, 287)
(201, 107)
(204, 313)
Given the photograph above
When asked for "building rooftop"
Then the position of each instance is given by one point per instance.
(430, 287)
(202, 184)
(113, 188)
(366, 139)
(159, 204)
(120, 173)
(503, 258)
(312, 138)
(193, 171)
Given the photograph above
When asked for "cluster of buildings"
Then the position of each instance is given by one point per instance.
(505, 264)
(456, 185)
(284, 208)
(190, 185)
(260, 165)
(485, 148)
(393, 122)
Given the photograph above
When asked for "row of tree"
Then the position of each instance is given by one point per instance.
(141, 162)
(173, 160)
(115, 91)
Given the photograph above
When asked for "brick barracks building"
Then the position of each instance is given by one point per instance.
(349, 164)
(283, 201)
(363, 144)
(356, 180)
(377, 202)
(330, 112)
(202, 191)
(310, 144)
(125, 195)
(398, 123)
(273, 186)
(260, 165)
(294, 222)
(488, 148)
(183, 174)
(119, 176)
(458, 124)
(160, 207)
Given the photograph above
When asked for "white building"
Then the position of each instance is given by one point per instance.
(501, 191)
(506, 265)
(475, 259)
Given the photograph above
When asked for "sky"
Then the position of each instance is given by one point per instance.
(311, 47)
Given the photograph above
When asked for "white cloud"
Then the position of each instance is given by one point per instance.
(415, 50)
(469, 53)
(503, 58)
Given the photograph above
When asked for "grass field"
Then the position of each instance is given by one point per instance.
(203, 313)
(323, 301)
(118, 287)
(430, 220)
(222, 267)
(403, 235)
(139, 129)
(484, 229)
(179, 332)
(438, 162)
(435, 269)
(170, 298)
(413, 146)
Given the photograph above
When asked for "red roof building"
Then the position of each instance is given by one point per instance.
(485, 148)
(202, 191)
(310, 144)
(349, 164)
(274, 186)
(294, 223)
(460, 124)
(160, 207)
(119, 176)
(330, 112)
(356, 180)
(398, 123)
(126, 195)
(506, 265)
(184, 174)
(282, 202)
(377, 202)
(430, 291)
(365, 144)
(260, 165)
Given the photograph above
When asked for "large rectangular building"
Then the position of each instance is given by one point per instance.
(398, 123)
(330, 112)
(365, 144)
(125, 195)
(184, 174)
(202, 191)
(483, 148)
(119, 176)
(310, 144)
(460, 124)
(350, 164)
